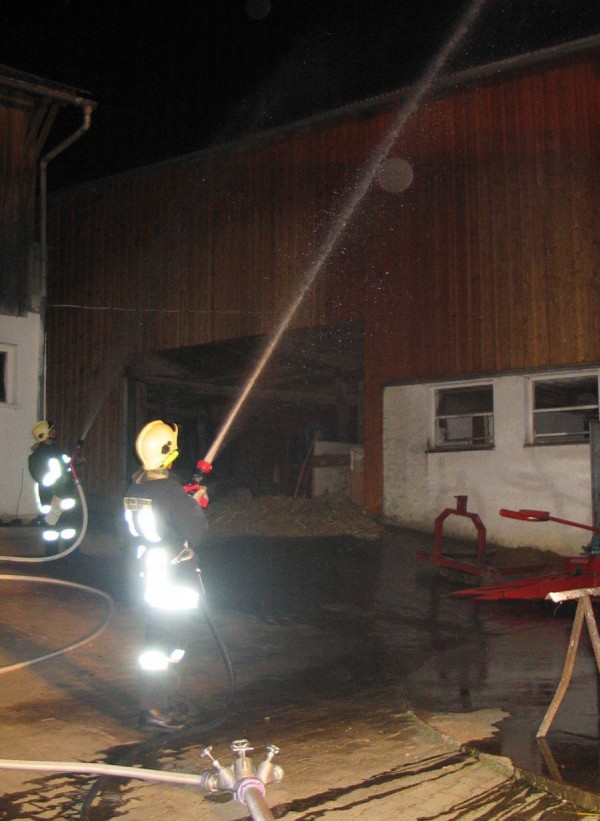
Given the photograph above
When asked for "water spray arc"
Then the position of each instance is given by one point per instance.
(354, 199)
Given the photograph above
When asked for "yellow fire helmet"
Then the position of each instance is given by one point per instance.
(41, 430)
(156, 445)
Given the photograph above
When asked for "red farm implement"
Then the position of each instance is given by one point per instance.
(576, 572)
(470, 566)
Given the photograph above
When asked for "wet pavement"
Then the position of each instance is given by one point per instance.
(448, 655)
(385, 694)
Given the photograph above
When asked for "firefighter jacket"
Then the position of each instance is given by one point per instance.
(167, 527)
(49, 468)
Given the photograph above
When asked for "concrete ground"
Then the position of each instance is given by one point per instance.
(350, 745)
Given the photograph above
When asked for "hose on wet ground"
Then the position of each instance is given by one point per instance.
(178, 736)
(92, 634)
(122, 768)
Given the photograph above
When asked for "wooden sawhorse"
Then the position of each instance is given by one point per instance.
(585, 612)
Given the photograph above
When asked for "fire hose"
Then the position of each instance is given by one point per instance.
(242, 779)
(11, 668)
(245, 782)
(246, 785)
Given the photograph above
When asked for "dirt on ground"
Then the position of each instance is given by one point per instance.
(241, 514)
(523, 556)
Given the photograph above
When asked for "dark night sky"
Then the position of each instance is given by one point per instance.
(172, 76)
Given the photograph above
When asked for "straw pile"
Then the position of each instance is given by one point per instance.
(240, 514)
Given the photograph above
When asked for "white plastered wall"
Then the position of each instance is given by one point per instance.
(419, 485)
(20, 336)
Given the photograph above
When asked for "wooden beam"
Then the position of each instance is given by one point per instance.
(311, 396)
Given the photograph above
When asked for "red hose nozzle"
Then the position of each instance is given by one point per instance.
(203, 466)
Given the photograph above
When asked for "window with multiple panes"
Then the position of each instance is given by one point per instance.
(562, 407)
(464, 416)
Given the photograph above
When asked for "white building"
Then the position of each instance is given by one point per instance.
(28, 109)
(506, 442)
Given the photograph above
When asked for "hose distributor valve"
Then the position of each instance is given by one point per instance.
(242, 779)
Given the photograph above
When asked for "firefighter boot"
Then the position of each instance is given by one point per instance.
(156, 720)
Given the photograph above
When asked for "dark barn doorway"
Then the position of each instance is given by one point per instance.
(312, 388)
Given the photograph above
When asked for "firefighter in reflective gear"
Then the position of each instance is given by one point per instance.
(55, 493)
(167, 526)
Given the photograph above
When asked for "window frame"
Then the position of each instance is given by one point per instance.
(557, 439)
(9, 374)
(488, 443)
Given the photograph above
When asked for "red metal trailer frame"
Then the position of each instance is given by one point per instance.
(576, 571)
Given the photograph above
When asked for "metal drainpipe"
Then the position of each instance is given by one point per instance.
(87, 118)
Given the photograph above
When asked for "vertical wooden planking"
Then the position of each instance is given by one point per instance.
(488, 262)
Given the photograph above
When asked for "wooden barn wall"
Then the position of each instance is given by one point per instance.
(495, 265)
(488, 262)
(205, 250)
(17, 178)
